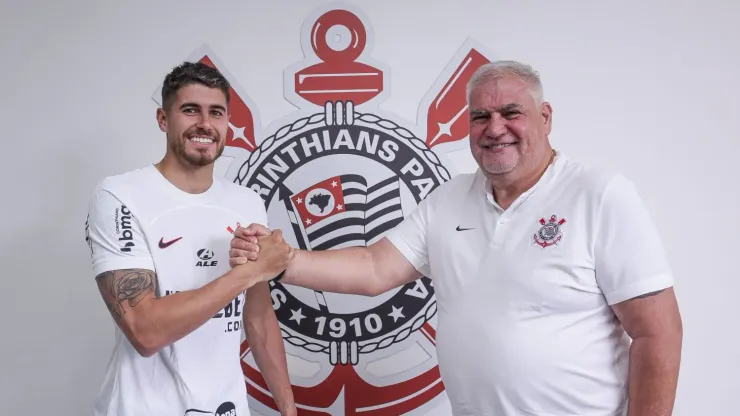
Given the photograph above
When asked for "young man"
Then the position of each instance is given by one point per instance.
(159, 240)
(543, 270)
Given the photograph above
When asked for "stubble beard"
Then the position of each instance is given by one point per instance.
(500, 166)
(198, 159)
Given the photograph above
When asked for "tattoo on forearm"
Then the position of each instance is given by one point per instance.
(129, 286)
(647, 295)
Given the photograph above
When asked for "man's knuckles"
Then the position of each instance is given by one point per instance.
(237, 261)
(238, 253)
(245, 245)
(242, 233)
(238, 244)
(257, 229)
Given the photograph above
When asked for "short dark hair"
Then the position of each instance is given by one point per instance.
(189, 73)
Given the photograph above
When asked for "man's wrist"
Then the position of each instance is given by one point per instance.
(290, 410)
(285, 401)
(238, 278)
(279, 276)
(295, 257)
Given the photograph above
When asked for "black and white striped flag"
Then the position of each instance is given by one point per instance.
(383, 209)
(342, 211)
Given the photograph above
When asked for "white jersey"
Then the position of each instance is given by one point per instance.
(524, 294)
(139, 220)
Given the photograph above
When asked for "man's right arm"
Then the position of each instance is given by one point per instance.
(128, 284)
(397, 259)
(367, 271)
(151, 323)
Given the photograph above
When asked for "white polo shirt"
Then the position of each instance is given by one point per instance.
(525, 325)
(139, 220)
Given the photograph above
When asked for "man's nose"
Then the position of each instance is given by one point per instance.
(204, 121)
(496, 126)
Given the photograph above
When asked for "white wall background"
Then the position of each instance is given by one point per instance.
(647, 88)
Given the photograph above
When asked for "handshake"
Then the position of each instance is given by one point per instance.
(258, 255)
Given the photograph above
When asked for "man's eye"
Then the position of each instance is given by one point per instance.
(216, 113)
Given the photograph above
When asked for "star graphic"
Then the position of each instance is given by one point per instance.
(397, 313)
(445, 129)
(296, 315)
(238, 133)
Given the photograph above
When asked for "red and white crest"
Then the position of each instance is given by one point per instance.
(340, 172)
(550, 232)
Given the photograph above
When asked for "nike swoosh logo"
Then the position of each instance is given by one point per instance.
(197, 411)
(463, 229)
(162, 244)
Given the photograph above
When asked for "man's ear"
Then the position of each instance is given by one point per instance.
(546, 112)
(162, 119)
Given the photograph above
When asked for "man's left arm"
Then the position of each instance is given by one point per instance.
(633, 272)
(266, 342)
(654, 324)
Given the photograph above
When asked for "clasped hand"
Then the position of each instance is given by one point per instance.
(266, 248)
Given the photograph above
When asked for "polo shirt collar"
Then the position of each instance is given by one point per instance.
(546, 178)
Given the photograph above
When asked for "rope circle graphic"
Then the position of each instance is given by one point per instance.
(320, 118)
(339, 113)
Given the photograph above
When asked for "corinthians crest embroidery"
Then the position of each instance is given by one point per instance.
(550, 232)
(339, 172)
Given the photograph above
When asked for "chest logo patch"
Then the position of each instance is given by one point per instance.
(550, 232)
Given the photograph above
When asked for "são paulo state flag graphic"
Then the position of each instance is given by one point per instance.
(343, 211)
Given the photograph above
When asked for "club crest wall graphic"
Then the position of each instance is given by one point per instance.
(337, 173)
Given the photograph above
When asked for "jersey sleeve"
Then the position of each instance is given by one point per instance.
(629, 256)
(410, 237)
(114, 236)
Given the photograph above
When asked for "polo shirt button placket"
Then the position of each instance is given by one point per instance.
(499, 233)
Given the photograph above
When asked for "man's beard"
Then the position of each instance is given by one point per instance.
(198, 159)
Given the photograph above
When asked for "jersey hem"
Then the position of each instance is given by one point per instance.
(406, 251)
(120, 264)
(659, 282)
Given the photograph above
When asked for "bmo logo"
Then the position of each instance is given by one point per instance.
(123, 219)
